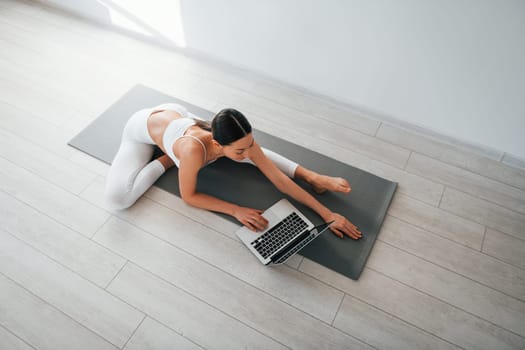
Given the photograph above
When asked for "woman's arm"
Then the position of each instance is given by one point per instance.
(190, 164)
(341, 225)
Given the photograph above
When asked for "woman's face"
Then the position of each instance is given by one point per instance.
(239, 149)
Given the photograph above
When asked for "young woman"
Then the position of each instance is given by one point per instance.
(191, 143)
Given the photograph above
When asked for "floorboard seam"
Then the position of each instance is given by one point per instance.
(16, 336)
(449, 304)
(59, 310)
(229, 274)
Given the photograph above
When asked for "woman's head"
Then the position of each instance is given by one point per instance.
(232, 131)
(229, 125)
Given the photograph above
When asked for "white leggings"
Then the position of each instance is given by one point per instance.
(133, 172)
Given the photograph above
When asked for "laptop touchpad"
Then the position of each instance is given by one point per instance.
(271, 217)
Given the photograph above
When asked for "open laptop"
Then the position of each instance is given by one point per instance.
(287, 233)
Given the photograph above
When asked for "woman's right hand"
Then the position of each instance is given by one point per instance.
(341, 226)
(251, 218)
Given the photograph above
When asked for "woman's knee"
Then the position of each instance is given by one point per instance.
(117, 200)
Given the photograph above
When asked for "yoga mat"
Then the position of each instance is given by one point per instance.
(244, 184)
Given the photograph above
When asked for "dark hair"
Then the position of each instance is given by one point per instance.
(229, 125)
(203, 124)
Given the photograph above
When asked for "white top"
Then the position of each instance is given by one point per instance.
(177, 128)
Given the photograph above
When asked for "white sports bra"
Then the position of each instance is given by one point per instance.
(176, 129)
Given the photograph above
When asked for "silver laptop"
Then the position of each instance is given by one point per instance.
(287, 233)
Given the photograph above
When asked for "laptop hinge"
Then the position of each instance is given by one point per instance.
(290, 245)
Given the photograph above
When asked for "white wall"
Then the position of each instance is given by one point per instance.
(456, 67)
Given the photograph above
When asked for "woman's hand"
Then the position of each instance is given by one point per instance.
(251, 218)
(341, 226)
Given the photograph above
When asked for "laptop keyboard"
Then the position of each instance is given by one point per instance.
(279, 235)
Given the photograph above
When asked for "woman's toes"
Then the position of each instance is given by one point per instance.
(325, 183)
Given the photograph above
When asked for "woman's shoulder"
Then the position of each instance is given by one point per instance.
(190, 146)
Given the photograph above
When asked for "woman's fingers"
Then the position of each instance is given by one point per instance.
(337, 232)
(255, 221)
(250, 225)
(342, 227)
(352, 231)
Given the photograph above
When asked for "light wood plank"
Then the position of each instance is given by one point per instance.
(462, 260)
(66, 30)
(382, 330)
(19, 67)
(48, 107)
(60, 243)
(233, 296)
(283, 95)
(59, 204)
(98, 51)
(199, 322)
(488, 214)
(437, 221)
(490, 168)
(9, 341)
(505, 247)
(92, 164)
(45, 164)
(483, 162)
(17, 25)
(315, 106)
(429, 145)
(152, 335)
(16, 58)
(183, 86)
(32, 128)
(41, 325)
(419, 309)
(71, 63)
(22, 6)
(84, 302)
(449, 287)
(83, 104)
(466, 181)
(204, 217)
(222, 73)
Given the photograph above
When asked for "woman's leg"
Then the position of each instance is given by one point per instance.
(320, 183)
(132, 173)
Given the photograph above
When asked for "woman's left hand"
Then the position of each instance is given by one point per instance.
(341, 226)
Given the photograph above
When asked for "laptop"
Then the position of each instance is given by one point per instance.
(287, 233)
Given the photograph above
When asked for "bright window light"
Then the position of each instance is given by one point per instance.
(160, 19)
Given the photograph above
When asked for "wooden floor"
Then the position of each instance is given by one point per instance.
(447, 272)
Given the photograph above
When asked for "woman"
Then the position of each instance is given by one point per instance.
(191, 143)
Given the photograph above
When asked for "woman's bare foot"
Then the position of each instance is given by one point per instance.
(322, 183)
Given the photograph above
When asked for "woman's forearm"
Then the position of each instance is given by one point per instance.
(295, 191)
(204, 201)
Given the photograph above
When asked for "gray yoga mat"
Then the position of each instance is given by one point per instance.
(245, 185)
